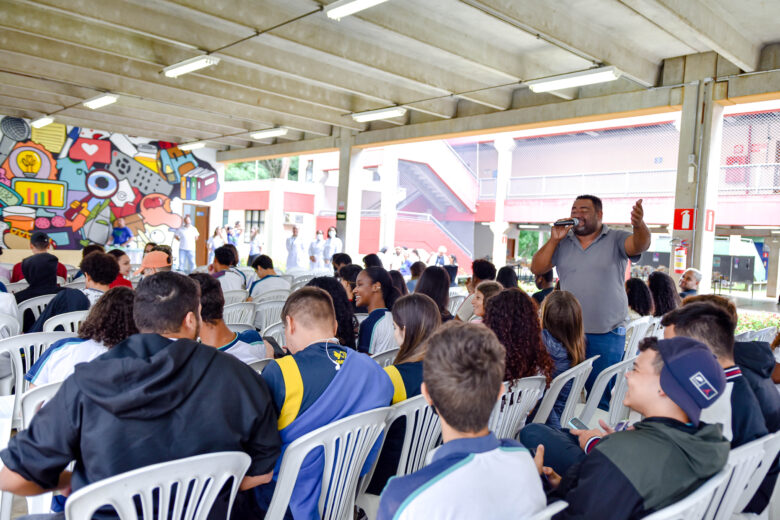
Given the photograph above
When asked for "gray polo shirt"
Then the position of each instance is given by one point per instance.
(596, 276)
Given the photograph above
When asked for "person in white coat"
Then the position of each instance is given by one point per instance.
(296, 250)
(316, 251)
(333, 245)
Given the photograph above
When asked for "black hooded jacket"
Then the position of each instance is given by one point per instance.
(40, 272)
(148, 400)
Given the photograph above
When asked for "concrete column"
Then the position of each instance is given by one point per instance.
(505, 146)
(348, 202)
(773, 267)
(388, 175)
(698, 163)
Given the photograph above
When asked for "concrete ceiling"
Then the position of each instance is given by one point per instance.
(294, 67)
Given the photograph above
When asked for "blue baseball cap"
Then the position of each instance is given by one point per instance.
(691, 376)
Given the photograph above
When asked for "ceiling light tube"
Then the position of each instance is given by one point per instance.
(575, 79)
(376, 115)
(190, 65)
(101, 101)
(758, 227)
(271, 132)
(343, 8)
(195, 145)
(42, 121)
(528, 226)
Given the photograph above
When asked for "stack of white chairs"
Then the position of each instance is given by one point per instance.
(239, 313)
(511, 411)
(239, 327)
(577, 375)
(69, 321)
(277, 295)
(267, 313)
(385, 358)
(300, 280)
(235, 296)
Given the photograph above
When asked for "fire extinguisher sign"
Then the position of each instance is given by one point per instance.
(684, 219)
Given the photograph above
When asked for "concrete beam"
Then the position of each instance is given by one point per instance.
(322, 144)
(761, 86)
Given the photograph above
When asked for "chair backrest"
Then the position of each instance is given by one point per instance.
(767, 334)
(511, 410)
(35, 305)
(6, 421)
(276, 331)
(577, 375)
(385, 358)
(69, 321)
(742, 464)
(277, 295)
(235, 296)
(635, 332)
(300, 280)
(258, 366)
(361, 316)
(694, 505)
(616, 407)
(267, 313)
(455, 303)
(16, 287)
(346, 444)
(771, 448)
(287, 277)
(744, 336)
(32, 401)
(9, 326)
(239, 327)
(187, 488)
(550, 511)
(239, 313)
(77, 284)
(25, 350)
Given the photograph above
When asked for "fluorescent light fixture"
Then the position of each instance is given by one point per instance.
(342, 8)
(192, 146)
(101, 101)
(760, 227)
(271, 132)
(190, 65)
(575, 79)
(528, 226)
(41, 122)
(376, 115)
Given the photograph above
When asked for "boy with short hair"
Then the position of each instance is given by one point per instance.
(229, 278)
(473, 475)
(267, 279)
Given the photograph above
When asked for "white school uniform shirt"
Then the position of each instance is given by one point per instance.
(267, 283)
(231, 280)
(59, 361)
(295, 252)
(316, 250)
(247, 346)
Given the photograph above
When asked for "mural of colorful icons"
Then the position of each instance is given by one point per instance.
(75, 182)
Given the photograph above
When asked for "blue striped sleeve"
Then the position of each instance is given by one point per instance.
(35, 370)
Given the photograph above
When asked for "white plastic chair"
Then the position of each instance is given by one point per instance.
(635, 332)
(198, 481)
(744, 336)
(346, 444)
(9, 326)
(258, 366)
(653, 328)
(454, 304)
(277, 295)
(239, 313)
(771, 448)
(14, 288)
(741, 466)
(6, 407)
(276, 331)
(617, 411)
(577, 375)
(35, 305)
(550, 511)
(239, 327)
(385, 358)
(767, 334)
(511, 410)
(235, 296)
(287, 277)
(70, 321)
(694, 505)
(25, 350)
(78, 284)
(267, 313)
(301, 280)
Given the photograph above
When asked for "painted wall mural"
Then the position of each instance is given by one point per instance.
(73, 183)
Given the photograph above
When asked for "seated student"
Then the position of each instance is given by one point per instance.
(666, 456)
(435, 282)
(482, 294)
(372, 260)
(375, 291)
(39, 244)
(482, 271)
(564, 338)
(100, 270)
(473, 474)
(159, 386)
(398, 282)
(267, 279)
(507, 277)
(543, 282)
(156, 261)
(339, 260)
(109, 322)
(124, 269)
(348, 275)
(415, 318)
(91, 248)
(247, 345)
(149, 247)
(640, 301)
(416, 270)
(345, 316)
(665, 297)
(40, 271)
(229, 278)
(234, 264)
(321, 382)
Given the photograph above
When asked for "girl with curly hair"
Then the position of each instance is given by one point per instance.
(513, 316)
(345, 316)
(109, 322)
(664, 291)
(640, 301)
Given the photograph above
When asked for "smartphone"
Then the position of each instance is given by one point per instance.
(278, 351)
(576, 424)
(622, 425)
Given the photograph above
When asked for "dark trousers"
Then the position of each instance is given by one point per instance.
(561, 449)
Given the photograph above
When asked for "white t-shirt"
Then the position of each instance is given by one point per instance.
(247, 346)
(61, 358)
(267, 283)
(187, 237)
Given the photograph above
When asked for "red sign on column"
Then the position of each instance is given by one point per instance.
(684, 219)
(709, 224)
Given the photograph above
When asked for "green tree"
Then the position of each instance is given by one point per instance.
(527, 243)
(243, 171)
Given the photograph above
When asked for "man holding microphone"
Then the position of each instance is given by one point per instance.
(591, 260)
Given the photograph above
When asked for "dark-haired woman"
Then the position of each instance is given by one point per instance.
(398, 282)
(435, 282)
(345, 316)
(664, 291)
(374, 290)
(507, 277)
(514, 318)
(124, 269)
(640, 301)
(109, 322)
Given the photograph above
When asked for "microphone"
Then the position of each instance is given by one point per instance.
(567, 222)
